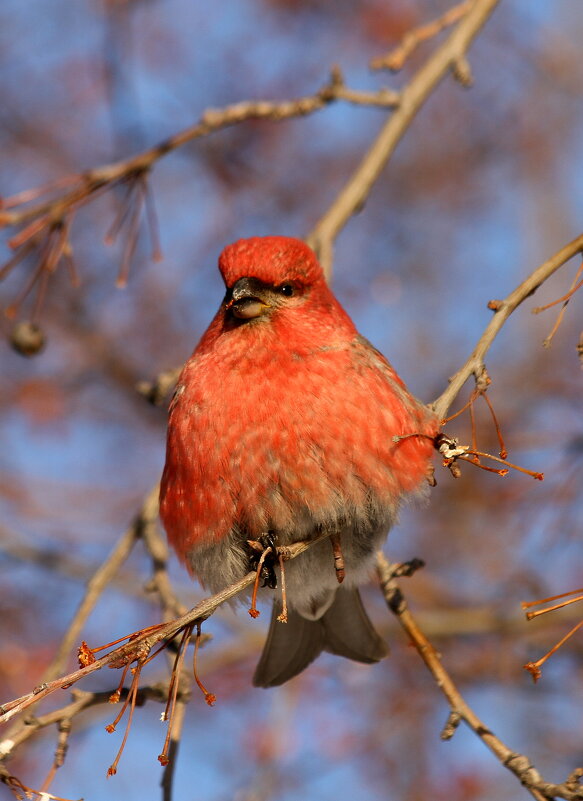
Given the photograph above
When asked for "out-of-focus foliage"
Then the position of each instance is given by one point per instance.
(485, 186)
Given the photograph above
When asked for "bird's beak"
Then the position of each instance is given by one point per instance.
(247, 308)
(245, 302)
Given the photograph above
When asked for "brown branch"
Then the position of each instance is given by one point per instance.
(145, 526)
(147, 639)
(87, 183)
(157, 548)
(47, 212)
(358, 187)
(502, 311)
(81, 700)
(99, 581)
(565, 300)
(518, 764)
(396, 58)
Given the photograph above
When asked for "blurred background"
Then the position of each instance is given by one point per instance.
(485, 186)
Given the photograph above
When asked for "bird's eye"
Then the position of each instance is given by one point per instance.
(287, 290)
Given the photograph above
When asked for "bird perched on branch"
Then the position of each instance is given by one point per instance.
(287, 424)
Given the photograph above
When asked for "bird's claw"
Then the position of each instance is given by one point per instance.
(257, 549)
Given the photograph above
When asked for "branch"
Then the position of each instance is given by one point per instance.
(518, 764)
(62, 718)
(144, 641)
(450, 56)
(89, 182)
(46, 238)
(81, 700)
(502, 311)
(157, 547)
(396, 58)
(167, 782)
(99, 581)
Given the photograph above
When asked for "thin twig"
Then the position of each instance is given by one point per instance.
(156, 546)
(576, 284)
(82, 700)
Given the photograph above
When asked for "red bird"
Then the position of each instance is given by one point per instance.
(283, 422)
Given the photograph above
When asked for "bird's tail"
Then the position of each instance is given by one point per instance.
(344, 629)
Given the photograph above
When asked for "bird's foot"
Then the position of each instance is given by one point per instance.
(262, 558)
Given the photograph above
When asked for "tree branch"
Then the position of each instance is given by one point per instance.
(355, 192)
(396, 58)
(99, 581)
(518, 764)
(89, 182)
(502, 311)
(144, 641)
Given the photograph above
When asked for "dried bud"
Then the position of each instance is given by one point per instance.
(85, 655)
(27, 338)
(534, 670)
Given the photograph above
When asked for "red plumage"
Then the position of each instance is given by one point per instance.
(284, 421)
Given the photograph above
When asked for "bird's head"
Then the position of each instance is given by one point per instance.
(265, 275)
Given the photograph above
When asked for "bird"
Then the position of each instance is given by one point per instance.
(287, 423)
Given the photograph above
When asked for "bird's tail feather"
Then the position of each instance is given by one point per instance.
(344, 629)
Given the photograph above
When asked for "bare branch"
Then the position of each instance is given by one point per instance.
(396, 58)
(517, 763)
(144, 641)
(502, 311)
(156, 545)
(167, 781)
(358, 187)
(85, 184)
(81, 701)
(99, 581)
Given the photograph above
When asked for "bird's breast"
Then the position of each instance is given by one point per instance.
(287, 440)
